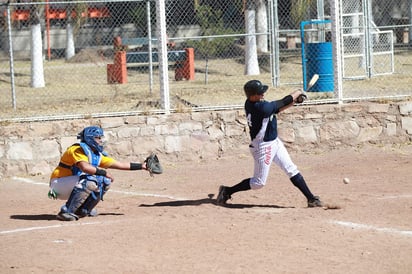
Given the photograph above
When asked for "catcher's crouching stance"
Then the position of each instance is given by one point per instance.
(81, 176)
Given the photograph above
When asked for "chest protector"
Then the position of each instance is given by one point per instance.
(94, 158)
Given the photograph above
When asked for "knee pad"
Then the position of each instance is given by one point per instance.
(92, 200)
(76, 199)
(97, 189)
(256, 183)
(104, 187)
(89, 183)
(80, 193)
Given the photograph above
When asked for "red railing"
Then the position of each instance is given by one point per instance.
(92, 12)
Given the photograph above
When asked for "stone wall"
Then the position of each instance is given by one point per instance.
(35, 148)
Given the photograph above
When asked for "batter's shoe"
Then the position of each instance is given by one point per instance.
(315, 202)
(222, 197)
(64, 216)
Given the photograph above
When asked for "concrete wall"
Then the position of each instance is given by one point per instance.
(35, 148)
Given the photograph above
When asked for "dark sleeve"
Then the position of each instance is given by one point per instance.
(285, 101)
(269, 108)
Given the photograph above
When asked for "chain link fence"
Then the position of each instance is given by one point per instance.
(67, 59)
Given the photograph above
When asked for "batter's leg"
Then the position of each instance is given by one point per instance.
(263, 158)
(283, 160)
(225, 193)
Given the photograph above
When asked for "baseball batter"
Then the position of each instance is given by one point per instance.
(265, 146)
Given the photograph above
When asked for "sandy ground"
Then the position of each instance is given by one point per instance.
(169, 223)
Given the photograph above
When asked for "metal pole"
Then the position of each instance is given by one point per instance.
(336, 48)
(162, 52)
(410, 22)
(320, 9)
(149, 30)
(321, 16)
(11, 58)
(274, 41)
(48, 30)
(271, 42)
(368, 40)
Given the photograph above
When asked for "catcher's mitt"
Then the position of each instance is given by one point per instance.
(153, 165)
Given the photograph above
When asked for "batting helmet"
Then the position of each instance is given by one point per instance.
(88, 135)
(254, 87)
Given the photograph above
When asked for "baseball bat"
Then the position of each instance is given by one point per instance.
(312, 81)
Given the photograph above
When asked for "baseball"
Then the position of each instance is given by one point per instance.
(346, 180)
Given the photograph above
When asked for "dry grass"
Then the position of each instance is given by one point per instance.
(80, 86)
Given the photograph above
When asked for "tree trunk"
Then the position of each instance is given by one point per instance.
(262, 25)
(251, 60)
(37, 72)
(70, 49)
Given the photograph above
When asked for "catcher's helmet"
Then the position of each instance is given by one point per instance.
(88, 134)
(254, 87)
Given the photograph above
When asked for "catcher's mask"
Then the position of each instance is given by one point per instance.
(254, 87)
(93, 137)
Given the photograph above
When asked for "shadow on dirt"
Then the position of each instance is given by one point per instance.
(50, 217)
(208, 201)
(35, 217)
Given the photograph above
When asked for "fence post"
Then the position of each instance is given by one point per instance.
(336, 49)
(11, 58)
(162, 51)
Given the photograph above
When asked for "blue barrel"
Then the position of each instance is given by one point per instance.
(320, 61)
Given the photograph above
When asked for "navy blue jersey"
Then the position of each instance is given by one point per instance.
(262, 120)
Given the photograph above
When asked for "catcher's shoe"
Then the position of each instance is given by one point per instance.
(222, 197)
(93, 213)
(315, 202)
(64, 216)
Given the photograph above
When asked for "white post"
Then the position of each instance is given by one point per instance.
(261, 25)
(336, 48)
(162, 52)
(251, 58)
(13, 90)
(149, 35)
(37, 78)
(70, 47)
(274, 42)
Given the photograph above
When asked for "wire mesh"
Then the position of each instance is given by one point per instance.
(81, 73)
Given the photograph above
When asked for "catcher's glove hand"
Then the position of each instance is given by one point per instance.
(301, 98)
(153, 165)
(52, 194)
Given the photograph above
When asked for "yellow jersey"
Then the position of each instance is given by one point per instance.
(72, 156)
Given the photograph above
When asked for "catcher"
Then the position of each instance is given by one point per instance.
(81, 177)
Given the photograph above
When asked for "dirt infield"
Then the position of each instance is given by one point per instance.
(169, 224)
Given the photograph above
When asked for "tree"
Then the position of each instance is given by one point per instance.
(37, 71)
(301, 10)
(73, 25)
(251, 60)
(70, 48)
(261, 25)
